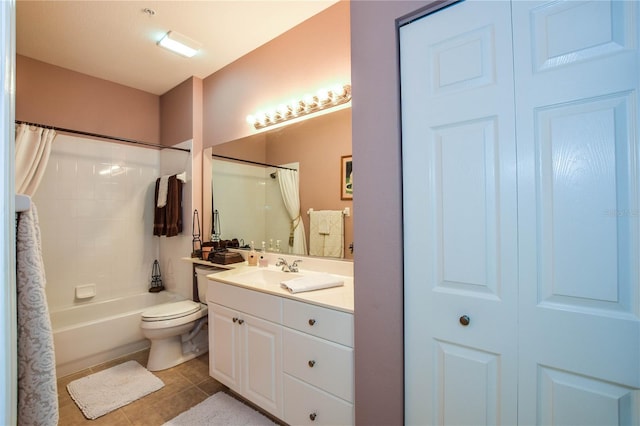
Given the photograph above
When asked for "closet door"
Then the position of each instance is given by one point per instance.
(459, 191)
(576, 68)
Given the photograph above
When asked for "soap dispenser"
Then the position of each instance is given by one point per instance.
(262, 259)
(253, 256)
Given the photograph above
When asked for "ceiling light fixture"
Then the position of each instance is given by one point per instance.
(180, 44)
(323, 99)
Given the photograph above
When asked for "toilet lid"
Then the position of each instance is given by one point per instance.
(172, 310)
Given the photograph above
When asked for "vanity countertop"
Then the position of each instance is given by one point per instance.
(338, 298)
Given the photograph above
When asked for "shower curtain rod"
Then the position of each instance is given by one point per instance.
(97, 135)
(252, 162)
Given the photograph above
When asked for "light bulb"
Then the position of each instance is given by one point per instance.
(323, 96)
(295, 106)
(284, 110)
(338, 92)
(310, 101)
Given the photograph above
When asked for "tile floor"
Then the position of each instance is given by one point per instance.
(185, 386)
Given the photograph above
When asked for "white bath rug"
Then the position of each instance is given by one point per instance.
(108, 390)
(220, 410)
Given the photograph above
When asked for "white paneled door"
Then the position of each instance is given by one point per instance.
(521, 209)
(577, 105)
(460, 218)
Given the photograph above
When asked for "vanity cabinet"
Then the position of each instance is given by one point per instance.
(292, 358)
(244, 349)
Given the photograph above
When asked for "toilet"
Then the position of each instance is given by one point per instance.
(176, 330)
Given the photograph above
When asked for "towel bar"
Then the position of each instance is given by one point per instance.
(346, 211)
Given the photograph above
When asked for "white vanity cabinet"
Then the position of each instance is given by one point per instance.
(291, 357)
(318, 365)
(244, 349)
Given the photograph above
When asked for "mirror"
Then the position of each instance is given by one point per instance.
(249, 200)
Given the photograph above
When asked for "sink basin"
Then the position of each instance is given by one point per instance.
(264, 277)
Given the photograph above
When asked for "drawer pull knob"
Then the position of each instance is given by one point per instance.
(465, 320)
(312, 322)
(240, 321)
(311, 363)
(313, 416)
(235, 319)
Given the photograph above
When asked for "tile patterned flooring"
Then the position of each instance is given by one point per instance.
(186, 385)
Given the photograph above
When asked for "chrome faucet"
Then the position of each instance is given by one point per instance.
(286, 267)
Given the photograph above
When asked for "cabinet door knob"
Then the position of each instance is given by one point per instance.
(235, 319)
(312, 322)
(465, 320)
(313, 416)
(240, 321)
(311, 363)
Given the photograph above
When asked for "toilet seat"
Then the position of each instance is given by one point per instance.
(169, 311)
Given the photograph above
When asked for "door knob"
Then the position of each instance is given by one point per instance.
(312, 322)
(312, 416)
(235, 319)
(240, 321)
(465, 320)
(311, 363)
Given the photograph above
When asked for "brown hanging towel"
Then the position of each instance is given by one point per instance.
(167, 220)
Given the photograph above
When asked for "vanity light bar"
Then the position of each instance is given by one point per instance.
(323, 99)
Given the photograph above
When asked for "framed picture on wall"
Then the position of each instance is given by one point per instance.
(346, 178)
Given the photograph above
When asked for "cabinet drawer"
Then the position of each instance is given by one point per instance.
(258, 304)
(307, 405)
(327, 323)
(321, 363)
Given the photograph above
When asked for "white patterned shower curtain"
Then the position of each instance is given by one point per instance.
(37, 388)
(290, 189)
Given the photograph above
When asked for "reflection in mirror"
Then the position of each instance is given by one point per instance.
(247, 197)
(249, 200)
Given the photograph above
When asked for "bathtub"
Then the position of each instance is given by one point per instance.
(94, 333)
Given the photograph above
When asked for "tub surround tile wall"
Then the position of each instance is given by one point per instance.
(96, 219)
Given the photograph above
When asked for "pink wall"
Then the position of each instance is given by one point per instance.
(181, 120)
(47, 94)
(378, 230)
(176, 113)
(311, 56)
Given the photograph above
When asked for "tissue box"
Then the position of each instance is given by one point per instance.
(225, 257)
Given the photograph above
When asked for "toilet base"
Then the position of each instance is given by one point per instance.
(169, 352)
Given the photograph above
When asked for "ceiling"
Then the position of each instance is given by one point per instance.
(116, 40)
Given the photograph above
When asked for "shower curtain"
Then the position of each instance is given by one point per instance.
(33, 146)
(289, 187)
(37, 388)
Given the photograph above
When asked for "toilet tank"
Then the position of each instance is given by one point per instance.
(201, 275)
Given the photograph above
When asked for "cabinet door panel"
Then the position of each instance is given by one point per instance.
(262, 363)
(224, 346)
